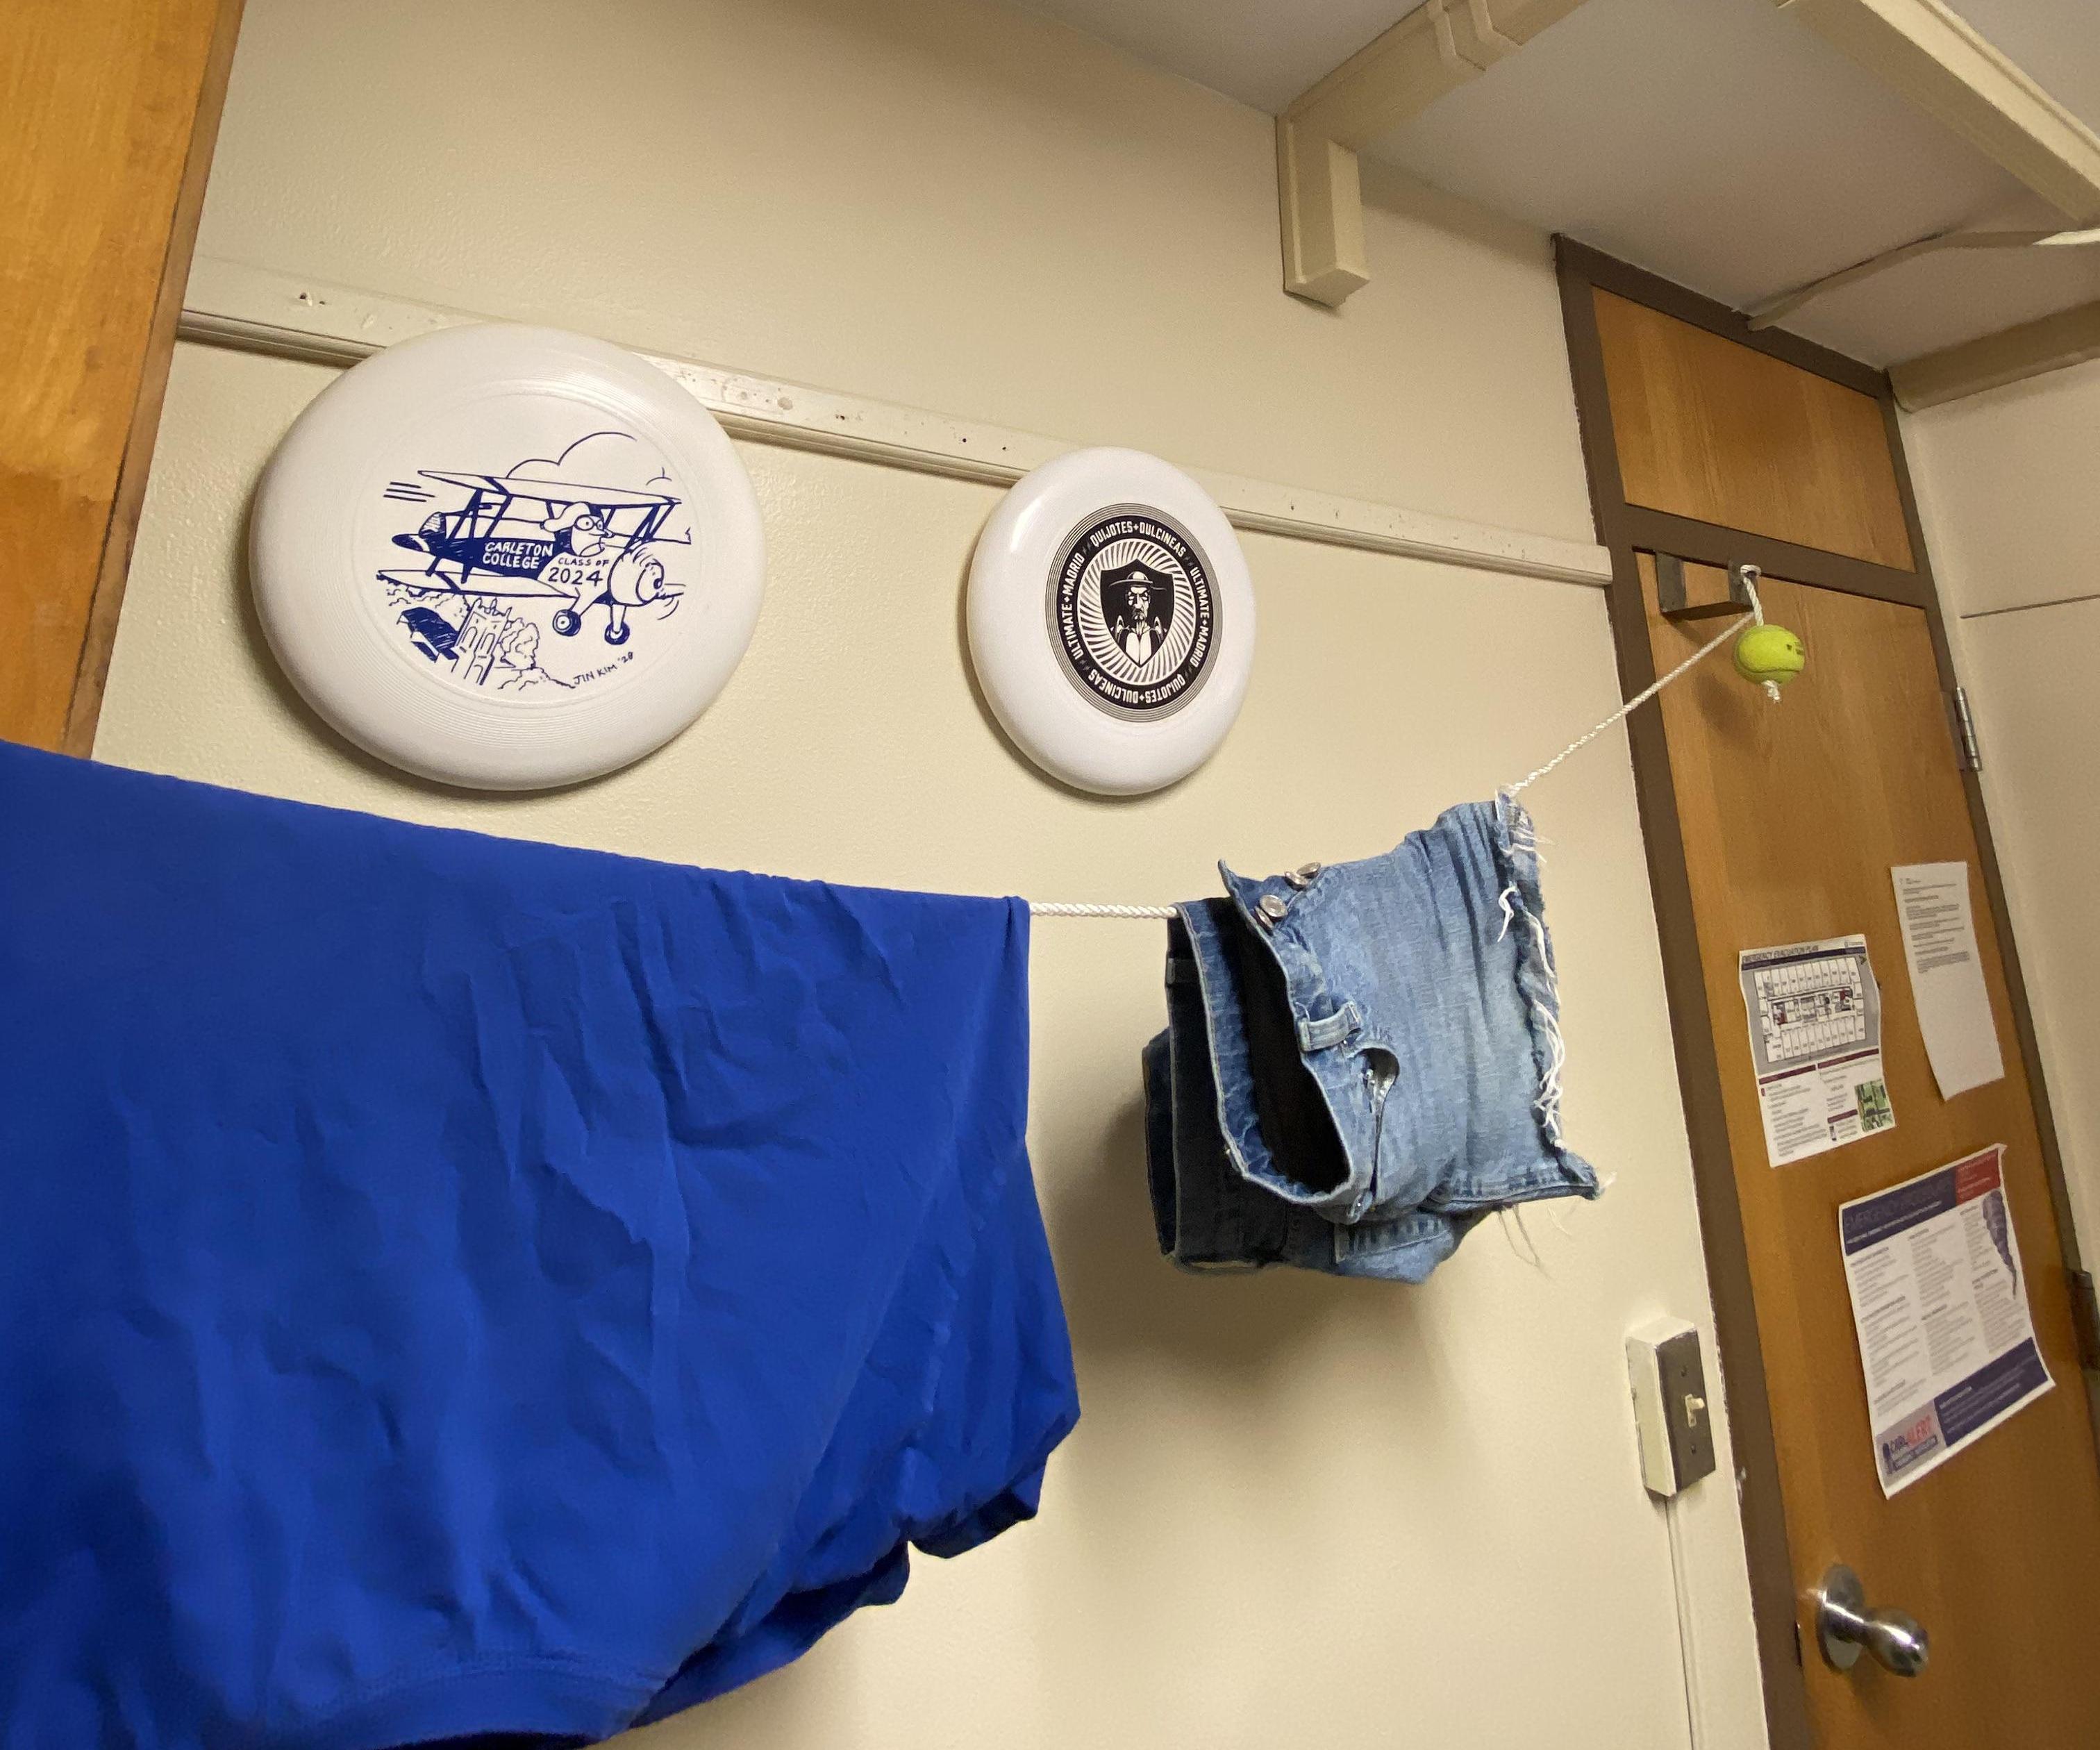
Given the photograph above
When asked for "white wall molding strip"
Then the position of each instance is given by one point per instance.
(2053, 343)
(256, 310)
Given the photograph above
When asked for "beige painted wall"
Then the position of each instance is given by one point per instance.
(1295, 1509)
(2008, 484)
(947, 205)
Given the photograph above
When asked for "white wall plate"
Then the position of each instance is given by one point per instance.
(1112, 621)
(507, 558)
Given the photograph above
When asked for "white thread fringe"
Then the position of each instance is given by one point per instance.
(1548, 1102)
(1529, 1252)
(1522, 837)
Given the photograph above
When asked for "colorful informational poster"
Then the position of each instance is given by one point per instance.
(1947, 975)
(1941, 1309)
(1815, 1015)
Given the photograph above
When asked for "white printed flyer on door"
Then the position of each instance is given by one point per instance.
(1940, 1305)
(1814, 1016)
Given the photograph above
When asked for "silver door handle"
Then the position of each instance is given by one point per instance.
(1845, 1626)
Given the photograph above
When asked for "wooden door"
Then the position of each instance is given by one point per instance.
(1792, 816)
(109, 110)
(1774, 824)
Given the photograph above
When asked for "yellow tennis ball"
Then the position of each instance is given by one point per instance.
(1770, 653)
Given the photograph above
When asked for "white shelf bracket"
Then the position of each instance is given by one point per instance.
(1436, 48)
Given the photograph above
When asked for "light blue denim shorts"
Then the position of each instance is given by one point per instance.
(1381, 1040)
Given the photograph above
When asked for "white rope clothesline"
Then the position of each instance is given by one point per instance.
(1050, 908)
(1755, 617)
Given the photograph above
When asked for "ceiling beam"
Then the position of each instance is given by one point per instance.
(1435, 49)
(2012, 356)
(1937, 59)
(1775, 309)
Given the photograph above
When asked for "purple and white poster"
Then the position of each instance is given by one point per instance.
(1940, 1305)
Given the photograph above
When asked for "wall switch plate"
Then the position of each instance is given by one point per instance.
(1670, 1406)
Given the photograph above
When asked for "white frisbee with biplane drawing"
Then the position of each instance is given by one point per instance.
(507, 558)
(1111, 620)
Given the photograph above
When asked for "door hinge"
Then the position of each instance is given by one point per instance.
(2085, 1316)
(1966, 756)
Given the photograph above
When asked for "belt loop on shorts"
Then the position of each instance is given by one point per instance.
(1329, 1030)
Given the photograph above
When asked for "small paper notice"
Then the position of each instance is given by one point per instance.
(1941, 1309)
(1947, 976)
(1815, 1037)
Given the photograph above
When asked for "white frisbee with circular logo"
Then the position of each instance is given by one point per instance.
(507, 558)
(1111, 620)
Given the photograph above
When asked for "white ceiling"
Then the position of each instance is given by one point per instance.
(2056, 41)
(1264, 52)
(1715, 142)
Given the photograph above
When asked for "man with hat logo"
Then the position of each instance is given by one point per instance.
(1137, 601)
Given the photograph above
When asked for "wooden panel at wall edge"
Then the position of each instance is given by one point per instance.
(111, 112)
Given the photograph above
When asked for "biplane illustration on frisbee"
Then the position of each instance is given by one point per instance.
(516, 545)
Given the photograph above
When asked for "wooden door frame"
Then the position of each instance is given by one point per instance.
(85, 401)
(1627, 530)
